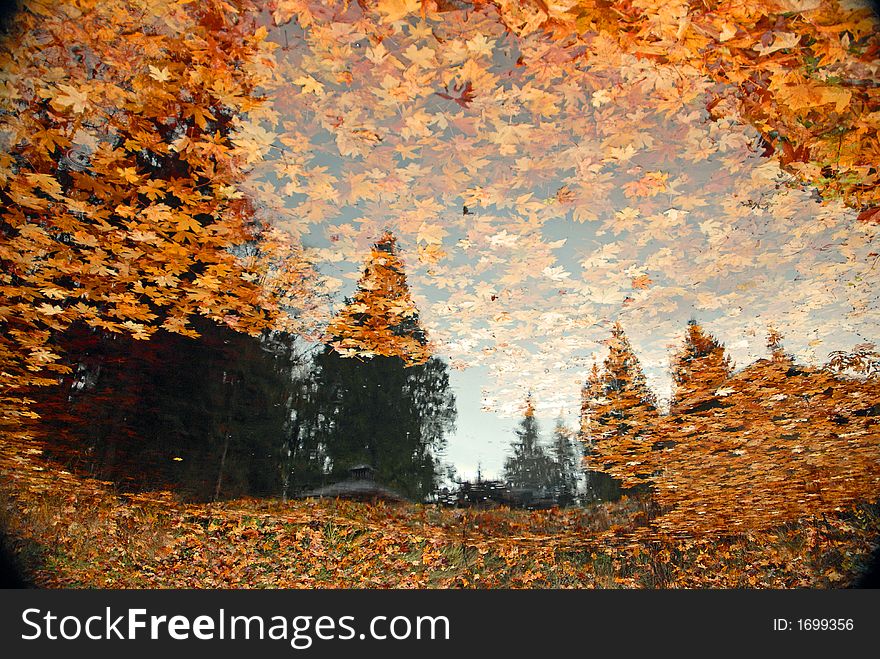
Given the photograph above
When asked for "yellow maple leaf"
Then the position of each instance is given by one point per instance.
(423, 57)
(309, 85)
(71, 97)
(161, 75)
(47, 183)
(128, 173)
(806, 95)
(430, 233)
(50, 309)
(641, 282)
(394, 10)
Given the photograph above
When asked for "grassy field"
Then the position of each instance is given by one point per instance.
(66, 531)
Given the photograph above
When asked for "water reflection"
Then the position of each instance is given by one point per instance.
(384, 414)
(204, 417)
(229, 415)
(535, 474)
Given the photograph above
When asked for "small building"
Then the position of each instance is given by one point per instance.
(362, 472)
(359, 486)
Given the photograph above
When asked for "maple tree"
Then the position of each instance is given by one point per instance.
(121, 124)
(800, 71)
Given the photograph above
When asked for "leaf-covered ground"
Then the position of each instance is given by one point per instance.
(66, 531)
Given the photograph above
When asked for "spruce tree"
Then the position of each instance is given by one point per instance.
(380, 397)
(774, 345)
(566, 465)
(625, 414)
(528, 467)
(699, 369)
(381, 318)
(599, 486)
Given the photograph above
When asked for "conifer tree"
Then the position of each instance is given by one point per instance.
(592, 394)
(382, 318)
(625, 414)
(528, 466)
(774, 345)
(599, 486)
(786, 441)
(566, 465)
(381, 398)
(699, 368)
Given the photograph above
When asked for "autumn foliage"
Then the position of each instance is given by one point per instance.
(140, 178)
(381, 318)
(619, 413)
(772, 443)
(118, 180)
(802, 72)
(699, 369)
(74, 532)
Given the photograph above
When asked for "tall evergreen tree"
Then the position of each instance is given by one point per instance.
(774, 345)
(699, 368)
(625, 413)
(380, 397)
(382, 318)
(592, 395)
(599, 486)
(787, 440)
(528, 466)
(566, 465)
